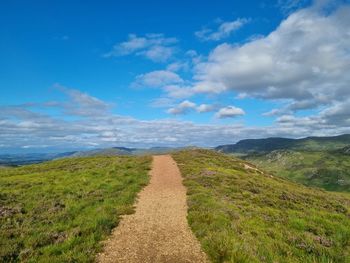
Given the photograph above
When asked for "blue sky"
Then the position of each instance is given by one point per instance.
(86, 74)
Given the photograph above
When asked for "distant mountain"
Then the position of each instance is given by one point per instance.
(32, 158)
(313, 161)
(123, 151)
(324, 169)
(105, 151)
(272, 144)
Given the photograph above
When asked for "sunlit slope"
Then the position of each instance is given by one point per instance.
(241, 214)
(58, 211)
(325, 169)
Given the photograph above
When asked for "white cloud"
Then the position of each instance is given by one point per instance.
(178, 91)
(133, 44)
(205, 108)
(224, 30)
(183, 108)
(58, 133)
(162, 103)
(229, 112)
(305, 61)
(304, 64)
(168, 81)
(186, 106)
(158, 78)
(289, 6)
(274, 112)
(338, 114)
(80, 104)
(155, 47)
(158, 53)
(177, 66)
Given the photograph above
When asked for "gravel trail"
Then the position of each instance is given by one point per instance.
(158, 231)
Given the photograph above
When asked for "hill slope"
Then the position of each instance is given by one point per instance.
(313, 161)
(271, 144)
(326, 169)
(58, 211)
(241, 214)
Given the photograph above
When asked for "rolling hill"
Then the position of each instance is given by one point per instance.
(270, 144)
(61, 210)
(325, 169)
(313, 161)
(243, 214)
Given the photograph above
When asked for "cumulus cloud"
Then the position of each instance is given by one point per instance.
(158, 78)
(155, 47)
(303, 63)
(183, 108)
(178, 91)
(187, 106)
(294, 106)
(229, 112)
(224, 30)
(24, 126)
(305, 60)
(168, 81)
(158, 53)
(335, 117)
(205, 108)
(338, 114)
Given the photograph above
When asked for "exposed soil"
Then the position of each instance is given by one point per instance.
(158, 231)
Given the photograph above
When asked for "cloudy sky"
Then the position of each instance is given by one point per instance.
(88, 74)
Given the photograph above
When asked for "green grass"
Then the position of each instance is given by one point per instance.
(59, 211)
(325, 169)
(241, 214)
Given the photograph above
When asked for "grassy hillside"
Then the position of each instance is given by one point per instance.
(271, 144)
(241, 214)
(58, 211)
(326, 169)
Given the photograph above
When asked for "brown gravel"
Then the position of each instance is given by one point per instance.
(158, 231)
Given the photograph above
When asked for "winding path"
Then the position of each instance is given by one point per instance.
(158, 231)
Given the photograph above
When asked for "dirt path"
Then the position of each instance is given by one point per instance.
(158, 231)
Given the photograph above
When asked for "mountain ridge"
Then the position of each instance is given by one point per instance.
(311, 143)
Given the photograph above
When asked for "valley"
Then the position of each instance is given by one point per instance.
(322, 162)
